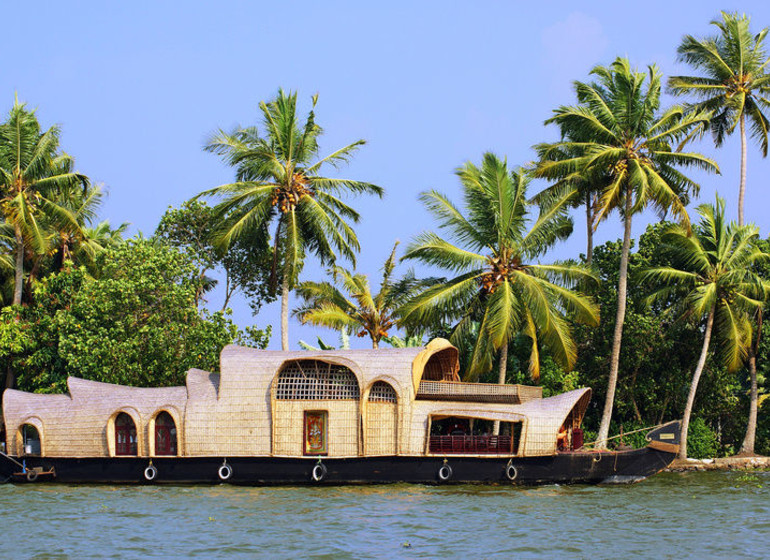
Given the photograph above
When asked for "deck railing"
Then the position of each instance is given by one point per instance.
(477, 392)
(471, 444)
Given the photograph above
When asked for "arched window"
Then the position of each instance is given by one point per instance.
(125, 435)
(165, 434)
(382, 392)
(30, 439)
(311, 380)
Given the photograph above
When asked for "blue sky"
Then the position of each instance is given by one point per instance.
(139, 87)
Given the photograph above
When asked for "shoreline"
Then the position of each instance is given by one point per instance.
(754, 462)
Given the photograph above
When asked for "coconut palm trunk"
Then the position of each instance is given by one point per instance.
(589, 230)
(604, 427)
(747, 447)
(19, 277)
(501, 374)
(694, 384)
(742, 187)
(285, 312)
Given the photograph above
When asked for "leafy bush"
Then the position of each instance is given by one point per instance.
(701, 440)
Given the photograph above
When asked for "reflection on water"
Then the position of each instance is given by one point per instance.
(719, 515)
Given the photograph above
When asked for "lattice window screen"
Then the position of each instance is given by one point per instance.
(382, 392)
(314, 380)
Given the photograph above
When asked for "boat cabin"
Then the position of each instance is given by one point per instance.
(337, 403)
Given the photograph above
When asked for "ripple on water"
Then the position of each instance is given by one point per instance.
(669, 516)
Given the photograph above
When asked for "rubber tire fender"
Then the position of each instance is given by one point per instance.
(511, 472)
(150, 473)
(319, 472)
(445, 472)
(225, 472)
(32, 476)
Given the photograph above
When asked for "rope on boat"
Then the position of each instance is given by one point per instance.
(11, 459)
(593, 443)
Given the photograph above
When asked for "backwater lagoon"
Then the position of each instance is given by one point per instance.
(671, 515)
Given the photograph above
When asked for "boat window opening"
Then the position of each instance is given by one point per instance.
(30, 438)
(165, 434)
(473, 436)
(125, 435)
(442, 366)
(570, 436)
(382, 392)
(316, 380)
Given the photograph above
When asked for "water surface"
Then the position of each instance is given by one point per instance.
(693, 515)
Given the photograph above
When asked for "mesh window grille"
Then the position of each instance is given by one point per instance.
(382, 392)
(311, 380)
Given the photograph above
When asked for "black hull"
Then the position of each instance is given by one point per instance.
(563, 468)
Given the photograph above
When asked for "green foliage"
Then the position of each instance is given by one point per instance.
(35, 178)
(499, 292)
(650, 389)
(136, 325)
(734, 80)
(712, 271)
(617, 126)
(701, 441)
(278, 178)
(405, 341)
(353, 307)
(254, 337)
(246, 262)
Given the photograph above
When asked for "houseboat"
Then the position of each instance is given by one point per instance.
(327, 417)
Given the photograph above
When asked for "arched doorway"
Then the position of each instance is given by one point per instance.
(30, 440)
(125, 435)
(381, 433)
(165, 434)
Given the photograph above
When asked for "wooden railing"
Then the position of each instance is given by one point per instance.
(471, 444)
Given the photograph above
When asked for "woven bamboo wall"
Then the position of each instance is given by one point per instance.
(342, 427)
(81, 424)
(201, 419)
(242, 415)
(380, 434)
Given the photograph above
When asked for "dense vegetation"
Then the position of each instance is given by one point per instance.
(665, 326)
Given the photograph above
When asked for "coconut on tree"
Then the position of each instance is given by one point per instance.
(499, 290)
(280, 182)
(712, 272)
(623, 133)
(33, 173)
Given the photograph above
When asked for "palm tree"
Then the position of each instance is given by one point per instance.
(499, 287)
(623, 134)
(360, 312)
(32, 172)
(713, 269)
(83, 205)
(278, 180)
(734, 84)
(586, 187)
